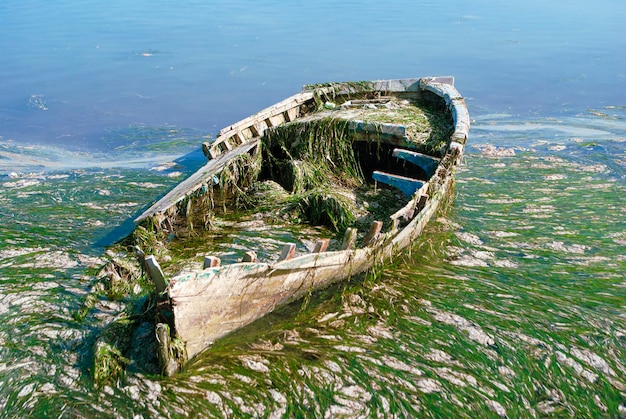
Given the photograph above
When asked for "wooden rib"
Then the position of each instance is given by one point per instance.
(394, 224)
(249, 256)
(254, 129)
(247, 133)
(373, 233)
(260, 128)
(289, 250)
(421, 202)
(292, 114)
(321, 245)
(236, 139)
(211, 262)
(349, 239)
(277, 119)
(155, 273)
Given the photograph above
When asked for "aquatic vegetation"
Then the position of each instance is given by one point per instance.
(323, 206)
(109, 361)
(316, 162)
(406, 344)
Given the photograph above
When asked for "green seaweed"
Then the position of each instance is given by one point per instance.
(323, 206)
(324, 92)
(109, 362)
(319, 152)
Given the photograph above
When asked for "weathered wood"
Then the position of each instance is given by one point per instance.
(405, 184)
(321, 245)
(421, 202)
(372, 233)
(280, 107)
(206, 149)
(292, 114)
(349, 238)
(194, 182)
(427, 163)
(169, 365)
(210, 303)
(379, 129)
(289, 250)
(211, 262)
(155, 273)
(249, 257)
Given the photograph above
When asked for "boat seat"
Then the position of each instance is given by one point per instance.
(405, 184)
(425, 162)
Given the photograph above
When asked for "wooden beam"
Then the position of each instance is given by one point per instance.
(349, 238)
(321, 245)
(373, 233)
(378, 128)
(211, 262)
(289, 250)
(155, 273)
(427, 163)
(405, 184)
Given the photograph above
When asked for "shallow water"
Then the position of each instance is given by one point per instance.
(512, 305)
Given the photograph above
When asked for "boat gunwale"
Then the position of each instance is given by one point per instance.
(436, 85)
(441, 86)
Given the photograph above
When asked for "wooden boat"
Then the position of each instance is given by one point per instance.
(378, 123)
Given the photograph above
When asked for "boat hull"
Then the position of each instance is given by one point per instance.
(202, 306)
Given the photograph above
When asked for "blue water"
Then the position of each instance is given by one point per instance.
(72, 71)
(103, 106)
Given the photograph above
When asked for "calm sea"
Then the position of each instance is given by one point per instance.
(515, 304)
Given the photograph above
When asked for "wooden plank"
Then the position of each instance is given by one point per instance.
(405, 184)
(382, 129)
(194, 182)
(373, 233)
(155, 273)
(321, 245)
(427, 163)
(211, 262)
(289, 250)
(349, 238)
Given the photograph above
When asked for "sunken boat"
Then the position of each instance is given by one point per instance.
(359, 167)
